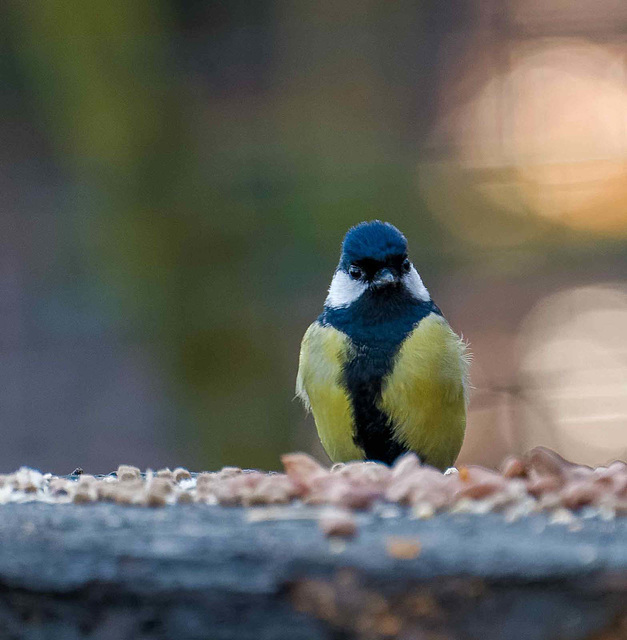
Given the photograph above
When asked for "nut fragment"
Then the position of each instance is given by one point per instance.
(479, 483)
(106, 491)
(155, 499)
(272, 489)
(547, 462)
(237, 489)
(126, 472)
(542, 485)
(84, 494)
(181, 474)
(184, 498)
(403, 548)
(373, 473)
(577, 494)
(422, 484)
(205, 479)
(228, 472)
(303, 470)
(406, 463)
(59, 486)
(125, 495)
(160, 485)
(513, 467)
(339, 523)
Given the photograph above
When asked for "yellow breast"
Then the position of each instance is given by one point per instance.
(424, 395)
(324, 351)
(425, 392)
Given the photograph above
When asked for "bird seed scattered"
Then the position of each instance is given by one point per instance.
(540, 481)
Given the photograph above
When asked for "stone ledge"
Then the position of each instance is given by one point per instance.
(196, 571)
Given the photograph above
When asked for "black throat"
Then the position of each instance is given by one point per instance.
(376, 323)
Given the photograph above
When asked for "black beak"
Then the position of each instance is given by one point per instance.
(384, 277)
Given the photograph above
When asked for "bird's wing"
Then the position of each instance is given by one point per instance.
(320, 386)
(425, 392)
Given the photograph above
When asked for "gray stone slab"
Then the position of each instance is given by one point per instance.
(191, 571)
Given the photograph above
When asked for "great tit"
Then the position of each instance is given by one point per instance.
(381, 369)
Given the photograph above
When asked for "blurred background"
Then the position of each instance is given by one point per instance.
(176, 177)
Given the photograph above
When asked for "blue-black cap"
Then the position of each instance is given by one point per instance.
(374, 240)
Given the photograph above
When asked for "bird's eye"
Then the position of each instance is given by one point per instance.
(355, 272)
(406, 266)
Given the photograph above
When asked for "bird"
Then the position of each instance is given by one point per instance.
(381, 369)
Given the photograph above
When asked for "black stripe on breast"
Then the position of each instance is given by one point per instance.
(377, 323)
(363, 376)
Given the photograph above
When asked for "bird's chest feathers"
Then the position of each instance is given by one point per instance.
(376, 331)
(376, 335)
(369, 362)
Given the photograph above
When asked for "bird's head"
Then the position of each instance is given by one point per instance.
(374, 260)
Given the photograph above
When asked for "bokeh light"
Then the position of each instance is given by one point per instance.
(573, 368)
(544, 134)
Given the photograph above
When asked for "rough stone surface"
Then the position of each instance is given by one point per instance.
(196, 571)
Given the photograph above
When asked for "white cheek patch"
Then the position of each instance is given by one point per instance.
(344, 290)
(413, 283)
